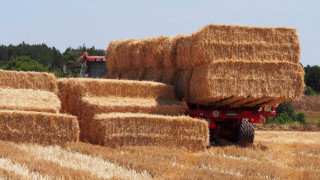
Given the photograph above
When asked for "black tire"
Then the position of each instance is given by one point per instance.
(244, 133)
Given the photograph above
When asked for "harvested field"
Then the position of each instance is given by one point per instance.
(28, 80)
(29, 100)
(274, 155)
(37, 127)
(134, 129)
(307, 103)
(236, 63)
(310, 106)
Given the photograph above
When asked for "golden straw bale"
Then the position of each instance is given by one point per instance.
(278, 80)
(134, 129)
(140, 53)
(221, 51)
(28, 80)
(99, 105)
(38, 127)
(121, 88)
(227, 33)
(29, 100)
(91, 106)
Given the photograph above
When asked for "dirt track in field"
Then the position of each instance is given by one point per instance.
(274, 155)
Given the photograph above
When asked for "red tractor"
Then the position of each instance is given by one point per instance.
(233, 124)
(92, 66)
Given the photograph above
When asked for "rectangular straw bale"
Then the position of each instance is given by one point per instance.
(137, 53)
(206, 46)
(99, 105)
(95, 105)
(29, 100)
(240, 34)
(121, 88)
(36, 127)
(246, 79)
(134, 129)
(28, 80)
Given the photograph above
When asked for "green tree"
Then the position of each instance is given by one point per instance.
(312, 77)
(286, 115)
(24, 63)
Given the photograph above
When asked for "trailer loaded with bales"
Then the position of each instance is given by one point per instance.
(177, 91)
(228, 75)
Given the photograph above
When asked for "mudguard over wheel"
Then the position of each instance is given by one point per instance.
(245, 133)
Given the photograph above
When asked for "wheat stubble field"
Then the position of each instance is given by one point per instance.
(274, 155)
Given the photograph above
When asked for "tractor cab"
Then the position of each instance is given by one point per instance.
(92, 66)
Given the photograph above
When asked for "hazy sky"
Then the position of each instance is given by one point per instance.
(65, 23)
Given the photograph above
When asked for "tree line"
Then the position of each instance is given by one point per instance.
(40, 57)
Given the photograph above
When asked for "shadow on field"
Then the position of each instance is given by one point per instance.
(221, 142)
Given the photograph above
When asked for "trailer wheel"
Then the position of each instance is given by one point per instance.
(244, 133)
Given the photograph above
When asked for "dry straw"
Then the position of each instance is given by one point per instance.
(29, 110)
(226, 65)
(132, 129)
(254, 80)
(29, 100)
(28, 80)
(87, 97)
(37, 127)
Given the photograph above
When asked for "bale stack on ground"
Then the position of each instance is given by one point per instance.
(29, 110)
(116, 129)
(139, 103)
(225, 65)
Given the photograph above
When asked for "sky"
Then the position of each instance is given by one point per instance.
(71, 23)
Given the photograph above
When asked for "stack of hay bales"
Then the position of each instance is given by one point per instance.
(119, 112)
(29, 110)
(222, 65)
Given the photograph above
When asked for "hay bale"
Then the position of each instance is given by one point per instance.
(37, 127)
(87, 97)
(28, 80)
(253, 80)
(134, 129)
(29, 100)
(209, 44)
(99, 105)
(120, 88)
(155, 53)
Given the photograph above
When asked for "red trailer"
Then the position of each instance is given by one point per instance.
(233, 124)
